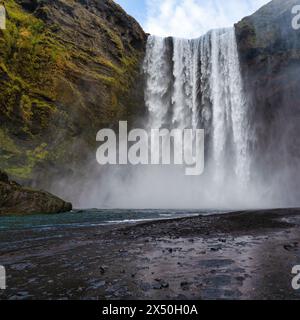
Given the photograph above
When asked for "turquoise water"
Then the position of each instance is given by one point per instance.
(92, 217)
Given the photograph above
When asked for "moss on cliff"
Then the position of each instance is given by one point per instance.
(29, 58)
(66, 70)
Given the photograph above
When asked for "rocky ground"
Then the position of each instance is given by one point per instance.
(245, 255)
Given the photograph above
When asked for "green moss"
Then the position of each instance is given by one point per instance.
(29, 58)
(114, 37)
(38, 154)
(33, 157)
(107, 63)
(7, 144)
(28, 50)
(19, 172)
(43, 81)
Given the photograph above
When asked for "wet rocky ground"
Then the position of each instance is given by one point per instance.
(242, 255)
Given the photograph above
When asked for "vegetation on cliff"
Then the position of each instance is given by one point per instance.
(67, 69)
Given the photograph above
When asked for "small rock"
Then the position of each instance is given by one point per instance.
(145, 286)
(215, 249)
(240, 279)
(291, 247)
(103, 269)
(185, 285)
(161, 284)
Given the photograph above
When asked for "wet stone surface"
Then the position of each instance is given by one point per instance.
(216, 257)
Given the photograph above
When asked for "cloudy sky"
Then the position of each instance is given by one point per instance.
(188, 18)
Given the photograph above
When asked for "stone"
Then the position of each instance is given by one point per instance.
(18, 200)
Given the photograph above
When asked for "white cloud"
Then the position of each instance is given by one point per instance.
(192, 18)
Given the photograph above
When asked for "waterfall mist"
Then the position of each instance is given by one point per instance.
(193, 84)
(190, 84)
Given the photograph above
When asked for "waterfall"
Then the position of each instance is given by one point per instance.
(197, 84)
(190, 84)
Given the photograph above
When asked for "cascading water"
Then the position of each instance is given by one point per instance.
(191, 84)
(201, 87)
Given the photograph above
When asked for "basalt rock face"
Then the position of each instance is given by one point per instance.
(67, 70)
(17, 200)
(269, 51)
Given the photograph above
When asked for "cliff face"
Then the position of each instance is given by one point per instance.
(270, 58)
(67, 69)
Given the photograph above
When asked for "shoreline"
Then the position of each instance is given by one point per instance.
(239, 255)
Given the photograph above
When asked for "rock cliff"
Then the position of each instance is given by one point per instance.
(67, 69)
(269, 50)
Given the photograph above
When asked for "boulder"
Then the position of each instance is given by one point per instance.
(15, 199)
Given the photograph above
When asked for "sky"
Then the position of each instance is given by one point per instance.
(188, 18)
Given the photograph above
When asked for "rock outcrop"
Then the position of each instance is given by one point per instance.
(17, 200)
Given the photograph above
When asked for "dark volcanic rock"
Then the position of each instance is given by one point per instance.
(3, 177)
(15, 199)
(269, 51)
